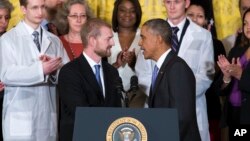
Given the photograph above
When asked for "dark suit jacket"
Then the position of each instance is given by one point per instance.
(175, 88)
(212, 95)
(79, 87)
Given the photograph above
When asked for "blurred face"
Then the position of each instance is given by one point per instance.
(126, 14)
(244, 5)
(148, 43)
(53, 3)
(197, 15)
(34, 12)
(246, 25)
(4, 19)
(104, 42)
(77, 17)
(176, 9)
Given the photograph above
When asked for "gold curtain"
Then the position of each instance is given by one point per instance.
(16, 14)
(103, 9)
(227, 17)
(226, 13)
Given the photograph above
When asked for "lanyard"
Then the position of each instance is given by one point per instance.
(183, 32)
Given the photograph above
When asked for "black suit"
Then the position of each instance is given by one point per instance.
(175, 88)
(79, 87)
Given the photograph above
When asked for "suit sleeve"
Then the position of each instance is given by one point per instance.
(70, 90)
(182, 95)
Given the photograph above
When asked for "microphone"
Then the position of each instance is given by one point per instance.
(133, 84)
(119, 90)
(119, 86)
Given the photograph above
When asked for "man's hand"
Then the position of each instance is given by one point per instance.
(1, 86)
(50, 64)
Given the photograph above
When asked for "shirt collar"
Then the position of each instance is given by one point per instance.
(30, 29)
(91, 62)
(180, 25)
(162, 58)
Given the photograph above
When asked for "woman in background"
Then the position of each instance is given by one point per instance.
(5, 10)
(126, 19)
(125, 22)
(69, 21)
(234, 82)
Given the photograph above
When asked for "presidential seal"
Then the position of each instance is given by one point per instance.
(126, 129)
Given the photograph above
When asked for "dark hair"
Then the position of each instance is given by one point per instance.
(138, 12)
(23, 2)
(5, 4)
(92, 29)
(244, 40)
(203, 6)
(61, 21)
(160, 27)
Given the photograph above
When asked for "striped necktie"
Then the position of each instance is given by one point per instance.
(36, 40)
(175, 43)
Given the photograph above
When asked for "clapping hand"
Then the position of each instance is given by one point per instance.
(234, 69)
(223, 63)
(50, 64)
(1, 86)
(129, 57)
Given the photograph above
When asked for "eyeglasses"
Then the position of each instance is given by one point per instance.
(76, 17)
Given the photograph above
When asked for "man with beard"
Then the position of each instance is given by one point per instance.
(87, 81)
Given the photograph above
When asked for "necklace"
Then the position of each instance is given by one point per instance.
(70, 47)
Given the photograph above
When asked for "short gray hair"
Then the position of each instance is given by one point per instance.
(160, 27)
(92, 29)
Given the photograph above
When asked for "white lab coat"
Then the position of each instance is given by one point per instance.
(29, 107)
(125, 72)
(197, 50)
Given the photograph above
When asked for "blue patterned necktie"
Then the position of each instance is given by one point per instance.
(36, 40)
(154, 76)
(97, 75)
(175, 43)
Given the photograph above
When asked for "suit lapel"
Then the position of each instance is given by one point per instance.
(90, 77)
(107, 81)
(187, 40)
(169, 58)
(46, 41)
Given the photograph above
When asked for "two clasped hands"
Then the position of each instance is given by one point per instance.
(125, 57)
(50, 64)
(233, 69)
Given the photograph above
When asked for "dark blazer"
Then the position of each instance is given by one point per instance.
(244, 115)
(212, 95)
(175, 88)
(78, 87)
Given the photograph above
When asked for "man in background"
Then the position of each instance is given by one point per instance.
(30, 61)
